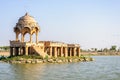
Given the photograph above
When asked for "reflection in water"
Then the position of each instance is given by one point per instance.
(28, 71)
(104, 68)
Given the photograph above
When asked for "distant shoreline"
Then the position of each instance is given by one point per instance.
(4, 53)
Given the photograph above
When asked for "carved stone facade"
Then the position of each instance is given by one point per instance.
(27, 24)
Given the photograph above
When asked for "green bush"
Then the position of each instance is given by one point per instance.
(2, 57)
(46, 57)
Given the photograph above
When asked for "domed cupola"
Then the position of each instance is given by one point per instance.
(26, 24)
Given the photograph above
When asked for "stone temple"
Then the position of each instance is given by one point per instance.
(27, 24)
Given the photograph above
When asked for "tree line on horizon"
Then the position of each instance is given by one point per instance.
(112, 48)
(4, 48)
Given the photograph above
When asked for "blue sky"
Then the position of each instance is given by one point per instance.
(90, 23)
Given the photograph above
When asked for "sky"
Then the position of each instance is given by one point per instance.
(90, 23)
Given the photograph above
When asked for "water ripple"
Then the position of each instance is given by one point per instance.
(104, 68)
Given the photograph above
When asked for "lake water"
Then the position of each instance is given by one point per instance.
(103, 68)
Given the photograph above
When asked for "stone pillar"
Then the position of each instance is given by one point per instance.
(11, 51)
(58, 52)
(61, 51)
(22, 38)
(66, 52)
(36, 37)
(26, 50)
(70, 51)
(30, 37)
(16, 36)
(21, 50)
(55, 51)
(74, 52)
(50, 51)
(78, 52)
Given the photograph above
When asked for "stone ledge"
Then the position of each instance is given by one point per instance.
(34, 61)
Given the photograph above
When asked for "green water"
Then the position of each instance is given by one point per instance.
(103, 68)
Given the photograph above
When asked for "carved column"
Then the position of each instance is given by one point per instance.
(30, 37)
(26, 50)
(66, 52)
(74, 52)
(51, 51)
(22, 38)
(17, 36)
(58, 52)
(55, 51)
(13, 51)
(36, 37)
(78, 52)
(61, 51)
(21, 51)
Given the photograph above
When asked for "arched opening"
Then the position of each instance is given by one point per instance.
(19, 37)
(25, 33)
(27, 37)
(34, 37)
(17, 32)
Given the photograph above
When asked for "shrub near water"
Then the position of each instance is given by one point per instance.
(2, 57)
(17, 58)
(36, 58)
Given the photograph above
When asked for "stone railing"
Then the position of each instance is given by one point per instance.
(17, 43)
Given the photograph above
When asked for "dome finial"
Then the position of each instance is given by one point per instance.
(26, 14)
